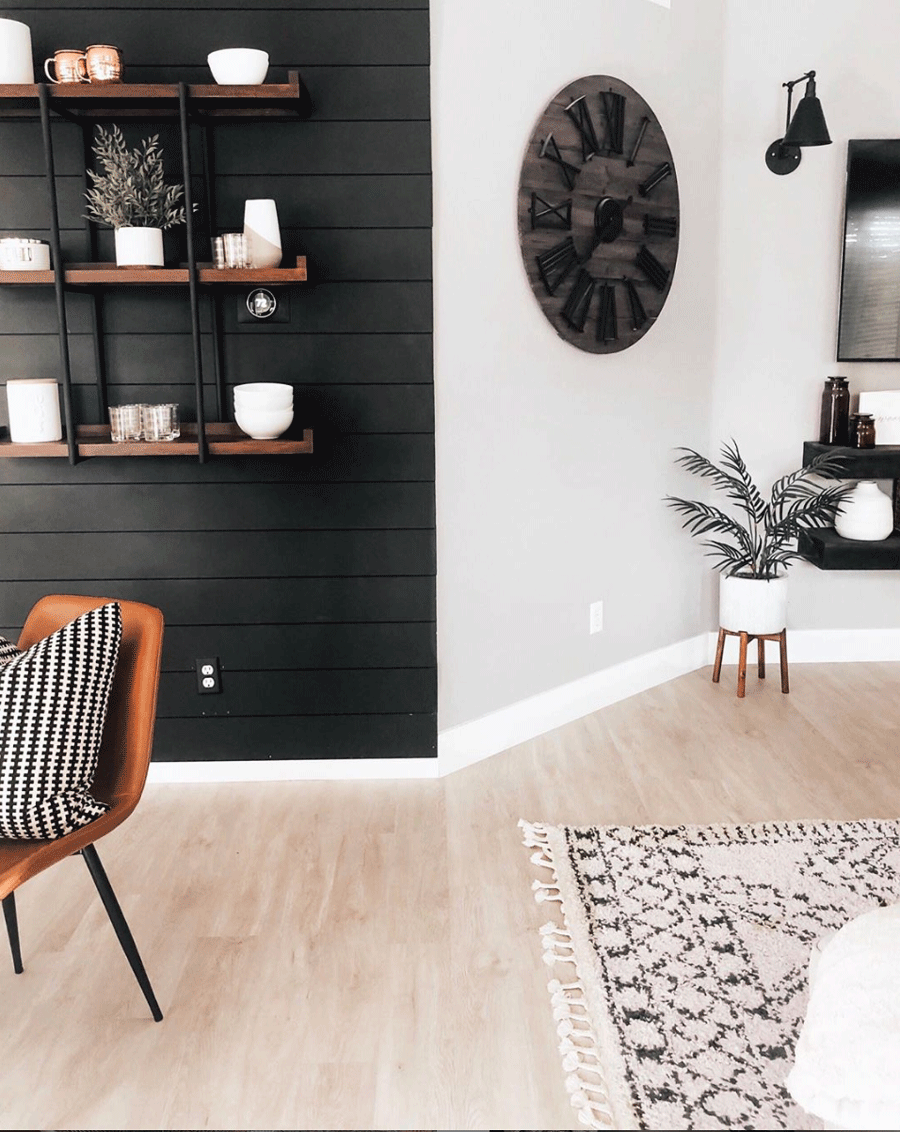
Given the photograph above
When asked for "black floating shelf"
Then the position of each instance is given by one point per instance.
(826, 549)
(879, 463)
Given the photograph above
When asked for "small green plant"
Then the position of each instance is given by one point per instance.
(760, 540)
(131, 190)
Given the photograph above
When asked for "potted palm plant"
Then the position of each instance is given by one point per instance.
(753, 548)
(130, 194)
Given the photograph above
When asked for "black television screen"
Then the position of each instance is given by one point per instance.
(869, 322)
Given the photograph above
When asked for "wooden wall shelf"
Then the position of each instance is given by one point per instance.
(109, 274)
(160, 100)
(223, 439)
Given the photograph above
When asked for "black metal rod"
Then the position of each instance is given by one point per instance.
(96, 292)
(123, 932)
(215, 295)
(202, 448)
(58, 275)
(12, 930)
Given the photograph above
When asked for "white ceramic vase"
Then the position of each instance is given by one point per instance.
(262, 233)
(867, 514)
(33, 405)
(139, 247)
(752, 605)
(16, 64)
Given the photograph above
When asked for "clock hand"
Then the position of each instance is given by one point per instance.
(608, 222)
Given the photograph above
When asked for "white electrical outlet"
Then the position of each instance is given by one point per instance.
(596, 616)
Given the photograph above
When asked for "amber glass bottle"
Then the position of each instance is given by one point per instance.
(835, 419)
(862, 430)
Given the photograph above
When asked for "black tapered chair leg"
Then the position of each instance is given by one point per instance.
(126, 939)
(12, 930)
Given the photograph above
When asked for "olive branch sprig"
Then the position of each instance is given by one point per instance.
(131, 191)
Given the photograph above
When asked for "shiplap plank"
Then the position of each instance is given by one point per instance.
(217, 554)
(212, 602)
(224, 739)
(28, 509)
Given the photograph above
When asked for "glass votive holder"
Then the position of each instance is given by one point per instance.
(125, 423)
(160, 422)
(235, 249)
(218, 248)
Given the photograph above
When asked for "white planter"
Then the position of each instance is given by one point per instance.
(139, 247)
(262, 233)
(752, 605)
(867, 514)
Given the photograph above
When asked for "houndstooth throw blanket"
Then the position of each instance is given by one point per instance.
(681, 956)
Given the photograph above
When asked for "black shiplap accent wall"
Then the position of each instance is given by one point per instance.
(311, 578)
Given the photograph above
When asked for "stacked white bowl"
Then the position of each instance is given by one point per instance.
(264, 409)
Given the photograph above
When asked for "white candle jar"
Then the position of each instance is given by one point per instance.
(33, 410)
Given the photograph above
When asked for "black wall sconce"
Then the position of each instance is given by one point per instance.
(807, 128)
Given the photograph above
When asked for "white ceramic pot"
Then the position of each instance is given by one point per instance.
(262, 233)
(139, 247)
(867, 514)
(16, 64)
(264, 395)
(239, 66)
(752, 605)
(33, 410)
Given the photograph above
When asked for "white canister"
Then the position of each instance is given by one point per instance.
(867, 514)
(262, 233)
(16, 64)
(33, 410)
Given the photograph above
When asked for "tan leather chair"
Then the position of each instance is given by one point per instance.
(122, 763)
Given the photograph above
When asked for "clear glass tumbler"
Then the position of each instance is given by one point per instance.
(125, 422)
(235, 249)
(160, 422)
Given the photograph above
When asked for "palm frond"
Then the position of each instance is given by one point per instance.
(751, 495)
(703, 518)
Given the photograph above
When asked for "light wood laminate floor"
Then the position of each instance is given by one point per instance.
(365, 955)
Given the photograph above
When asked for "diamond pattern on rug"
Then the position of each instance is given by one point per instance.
(692, 945)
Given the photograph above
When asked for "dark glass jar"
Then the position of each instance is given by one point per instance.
(834, 422)
(862, 430)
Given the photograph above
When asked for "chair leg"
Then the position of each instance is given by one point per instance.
(720, 647)
(12, 930)
(126, 939)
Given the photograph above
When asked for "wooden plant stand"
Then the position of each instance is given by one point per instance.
(745, 639)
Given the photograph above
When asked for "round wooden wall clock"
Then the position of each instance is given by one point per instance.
(598, 214)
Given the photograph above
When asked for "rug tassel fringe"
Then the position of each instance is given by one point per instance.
(578, 1044)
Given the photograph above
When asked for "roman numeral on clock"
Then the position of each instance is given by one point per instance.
(614, 111)
(575, 311)
(606, 319)
(580, 114)
(652, 268)
(642, 129)
(660, 225)
(638, 314)
(547, 215)
(550, 150)
(556, 263)
(658, 175)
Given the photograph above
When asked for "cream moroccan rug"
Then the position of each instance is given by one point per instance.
(680, 955)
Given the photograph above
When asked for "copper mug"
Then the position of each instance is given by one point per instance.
(104, 63)
(70, 67)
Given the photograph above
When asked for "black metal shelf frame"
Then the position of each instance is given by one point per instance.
(85, 123)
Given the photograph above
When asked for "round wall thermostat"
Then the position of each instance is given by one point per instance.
(261, 303)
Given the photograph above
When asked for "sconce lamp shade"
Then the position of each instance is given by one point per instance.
(808, 124)
(807, 127)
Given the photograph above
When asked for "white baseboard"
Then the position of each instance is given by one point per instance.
(471, 742)
(287, 770)
(468, 743)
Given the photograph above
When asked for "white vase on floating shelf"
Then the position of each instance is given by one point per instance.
(262, 233)
(867, 514)
(139, 247)
(757, 606)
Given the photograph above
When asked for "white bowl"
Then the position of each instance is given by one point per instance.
(264, 394)
(239, 66)
(263, 424)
